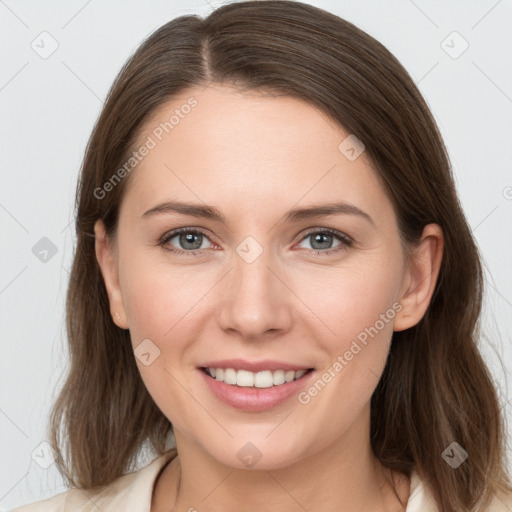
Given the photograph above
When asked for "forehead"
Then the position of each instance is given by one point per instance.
(226, 147)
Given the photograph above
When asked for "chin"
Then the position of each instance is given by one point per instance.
(256, 451)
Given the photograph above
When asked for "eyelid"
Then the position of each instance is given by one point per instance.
(342, 237)
(169, 235)
(331, 231)
(173, 232)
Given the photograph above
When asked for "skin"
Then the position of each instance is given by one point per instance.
(255, 157)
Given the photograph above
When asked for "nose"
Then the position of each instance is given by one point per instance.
(256, 301)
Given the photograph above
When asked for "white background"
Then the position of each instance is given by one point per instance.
(48, 107)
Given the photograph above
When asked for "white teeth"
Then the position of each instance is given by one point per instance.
(229, 376)
(263, 379)
(289, 376)
(244, 378)
(299, 374)
(278, 377)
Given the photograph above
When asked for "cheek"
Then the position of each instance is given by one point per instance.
(162, 305)
(354, 335)
(159, 298)
(169, 302)
(351, 299)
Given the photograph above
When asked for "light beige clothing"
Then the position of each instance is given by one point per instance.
(133, 492)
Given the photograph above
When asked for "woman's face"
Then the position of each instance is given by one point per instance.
(262, 281)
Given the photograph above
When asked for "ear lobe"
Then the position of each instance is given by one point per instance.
(421, 277)
(108, 266)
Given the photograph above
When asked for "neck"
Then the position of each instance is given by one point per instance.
(344, 476)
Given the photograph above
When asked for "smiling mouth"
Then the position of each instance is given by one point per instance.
(261, 379)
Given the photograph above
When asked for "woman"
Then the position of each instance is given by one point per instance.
(273, 271)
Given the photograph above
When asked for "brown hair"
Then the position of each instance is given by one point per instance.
(435, 388)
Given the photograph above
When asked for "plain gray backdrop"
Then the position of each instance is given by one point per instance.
(58, 60)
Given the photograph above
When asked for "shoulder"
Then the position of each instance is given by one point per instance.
(54, 504)
(132, 489)
(502, 503)
(421, 498)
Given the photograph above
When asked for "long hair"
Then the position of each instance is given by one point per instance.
(435, 389)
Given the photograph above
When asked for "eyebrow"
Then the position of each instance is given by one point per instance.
(295, 215)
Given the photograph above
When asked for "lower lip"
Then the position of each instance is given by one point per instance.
(254, 399)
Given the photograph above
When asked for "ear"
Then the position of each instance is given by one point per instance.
(105, 254)
(420, 278)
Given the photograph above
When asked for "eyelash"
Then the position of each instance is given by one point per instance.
(346, 241)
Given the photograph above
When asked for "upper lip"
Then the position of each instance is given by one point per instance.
(254, 366)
